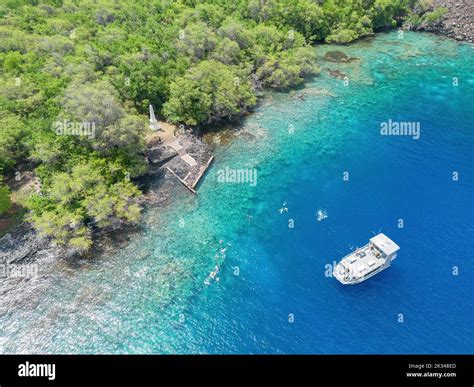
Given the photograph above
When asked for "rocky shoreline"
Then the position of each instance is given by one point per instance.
(23, 244)
(457, 23)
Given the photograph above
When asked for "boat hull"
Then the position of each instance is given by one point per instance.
(362, 279)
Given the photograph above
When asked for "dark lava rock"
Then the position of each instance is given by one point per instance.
(338, 74)
(339, 57)
(23, 244)
(457, 23)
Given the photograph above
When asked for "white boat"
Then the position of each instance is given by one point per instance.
(366, 261)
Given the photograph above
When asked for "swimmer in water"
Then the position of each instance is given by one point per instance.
(284, 208)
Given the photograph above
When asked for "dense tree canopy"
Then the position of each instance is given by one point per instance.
(93, 192)
(77, 76)
(208, 92)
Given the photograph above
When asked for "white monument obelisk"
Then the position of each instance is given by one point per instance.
(153, 122)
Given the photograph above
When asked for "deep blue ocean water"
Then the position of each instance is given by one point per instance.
(273, 295)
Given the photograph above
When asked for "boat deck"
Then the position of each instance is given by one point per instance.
(363, 260)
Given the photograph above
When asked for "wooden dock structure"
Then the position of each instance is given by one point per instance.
(202, 171)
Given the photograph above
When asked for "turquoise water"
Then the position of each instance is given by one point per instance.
(273, 295)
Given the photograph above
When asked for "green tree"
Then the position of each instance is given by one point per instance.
(342, 35)
(5, 202)
(209, 92)
(89, 194)
(12, 61)
(227, 52)
(196, 41)
(94, 103)
(11, 134)
(288, 69)
(110, 128)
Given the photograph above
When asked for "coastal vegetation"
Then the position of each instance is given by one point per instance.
(426, 14)
(5, 202)
(77, 77)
